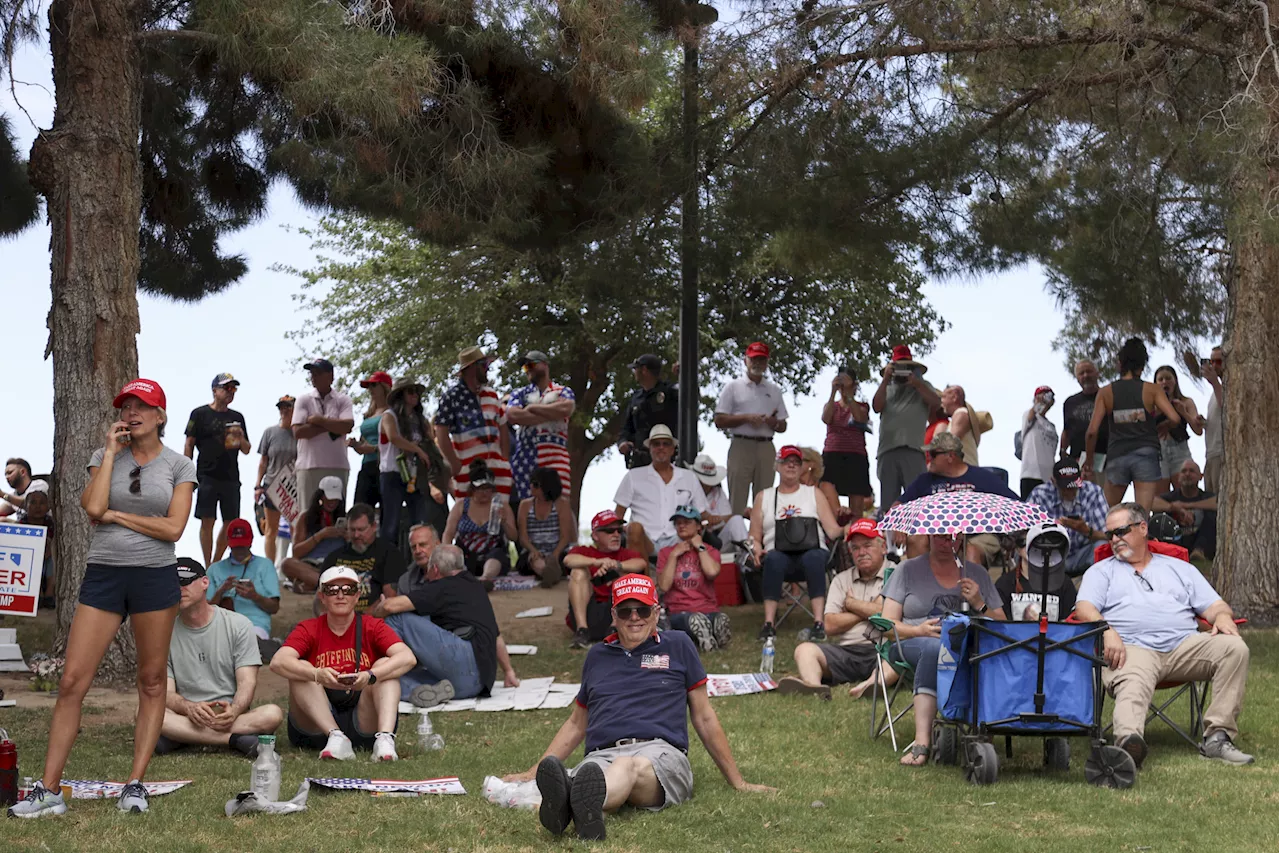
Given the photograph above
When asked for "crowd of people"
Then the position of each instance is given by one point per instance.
(446, 505)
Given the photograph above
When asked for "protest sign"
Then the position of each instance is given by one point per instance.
(21, 565)
(283, 493)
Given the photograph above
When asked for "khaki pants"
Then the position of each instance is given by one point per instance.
(1213, 474)
(750, 471)
(1222, 658)
(309, 480)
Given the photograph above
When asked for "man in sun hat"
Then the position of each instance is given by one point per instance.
(725, 530)
(219, 433)
(903, 401)
(592, 570)
(542, 410)
(855, 595)
(656, 401)
(471, 424)
(751, 410)
(639, 689)
(652, 493)
(322, 417)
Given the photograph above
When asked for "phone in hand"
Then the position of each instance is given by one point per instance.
(341, 523)
(348, 678)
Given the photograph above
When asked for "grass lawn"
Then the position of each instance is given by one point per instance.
(838, 788)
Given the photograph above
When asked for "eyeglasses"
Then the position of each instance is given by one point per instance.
(344, 589)
(1145, 582)
(609, 530)
(135, 480)
(1120, 531)
(644, 611)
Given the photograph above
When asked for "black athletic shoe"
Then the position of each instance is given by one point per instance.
(246, 745)
(586, 801)
(766, 631)
(553, 783)
(581, 639)
(1136, 747)
(817, 634)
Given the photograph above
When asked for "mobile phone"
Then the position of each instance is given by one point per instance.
(348, 678)
(341, 523)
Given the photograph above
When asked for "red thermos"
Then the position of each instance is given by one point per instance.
(8, 770)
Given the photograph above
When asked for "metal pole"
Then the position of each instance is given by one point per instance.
(690, 237)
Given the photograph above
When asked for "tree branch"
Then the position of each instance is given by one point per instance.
(1206, 9)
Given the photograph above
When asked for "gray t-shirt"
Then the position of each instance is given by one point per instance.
(203, 661)
(903, 421)
(117, 545)
(280, 448)
(922, 597)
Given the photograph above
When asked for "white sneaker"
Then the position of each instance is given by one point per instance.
(384, 747)
(338, 748)
(38, 803)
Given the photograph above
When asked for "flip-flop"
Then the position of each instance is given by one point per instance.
(918, 751)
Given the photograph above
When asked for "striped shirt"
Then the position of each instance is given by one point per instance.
(842, 435)
(475, 422)
(542, 445)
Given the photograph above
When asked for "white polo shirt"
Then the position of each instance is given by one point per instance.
(652, 501)
(744, 397)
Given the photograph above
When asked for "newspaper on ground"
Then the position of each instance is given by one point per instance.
(533, 612)
(740, 684)
(443, 785)
(92, 789)
(517, 649)
(533, 694)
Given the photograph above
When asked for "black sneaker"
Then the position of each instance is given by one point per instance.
(766, 631)
(1136, 747)
(817, 634)
(586, 801)
(581, 639)
(553, 783)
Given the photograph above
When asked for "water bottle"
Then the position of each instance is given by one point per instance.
(766, 656)
(8, 770)
(266, 770)
(427, 737)
(495, 517)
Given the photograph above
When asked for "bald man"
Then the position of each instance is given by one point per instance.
(1077, 411)
(1195, 510)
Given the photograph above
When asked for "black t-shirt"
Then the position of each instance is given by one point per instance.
(1189, 530)
(1015, 591)
(1077, 411)
(458, 601)
(209, 428)
(377, 565)
(974, 480)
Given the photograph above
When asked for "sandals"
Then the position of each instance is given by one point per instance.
(917, 757)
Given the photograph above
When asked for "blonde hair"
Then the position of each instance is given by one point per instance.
(813, 458)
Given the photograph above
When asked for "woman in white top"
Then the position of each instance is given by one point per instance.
(1039, 441)
(791, 500)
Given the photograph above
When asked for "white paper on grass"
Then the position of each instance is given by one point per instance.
(517, 649)
(558, 700)
(532, 612)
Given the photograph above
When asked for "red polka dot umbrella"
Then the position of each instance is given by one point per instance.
(951, 513)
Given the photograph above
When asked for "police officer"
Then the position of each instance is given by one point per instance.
(654, 402)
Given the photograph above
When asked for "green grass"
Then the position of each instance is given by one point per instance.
(812, 751)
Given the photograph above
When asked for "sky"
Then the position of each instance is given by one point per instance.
(998, 345)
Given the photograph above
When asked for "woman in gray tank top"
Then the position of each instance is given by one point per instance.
(1129, 405)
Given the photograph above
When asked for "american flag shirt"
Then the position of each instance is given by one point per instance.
(542, 445)
(475, 422)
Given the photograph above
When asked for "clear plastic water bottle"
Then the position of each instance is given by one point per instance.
(767, 656)
(495, 516)
(427, 737)
(266, 770)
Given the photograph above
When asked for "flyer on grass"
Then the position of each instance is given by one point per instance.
(21, 564)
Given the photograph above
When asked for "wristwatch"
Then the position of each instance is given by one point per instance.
(373, 679)
(983, 610)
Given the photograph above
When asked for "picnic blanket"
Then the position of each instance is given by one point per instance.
(443, 785)
(533, 694)
(82, 789)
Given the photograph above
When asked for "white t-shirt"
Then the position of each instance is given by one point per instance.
(1039, 449)
(652, 501)
(802, 503)
(1213, 427)
(18, 513)
(744, 397)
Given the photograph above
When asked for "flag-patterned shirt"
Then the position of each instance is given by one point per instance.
(475, 422)
(542, 445)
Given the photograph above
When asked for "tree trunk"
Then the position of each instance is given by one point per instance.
(1245, 571)
(87, 168)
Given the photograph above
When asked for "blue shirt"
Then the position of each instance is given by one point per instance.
(641, 693)
(1090, 505)
(259, 570)
(1158, 617)
(974, 480)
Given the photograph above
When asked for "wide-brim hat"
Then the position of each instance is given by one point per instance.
(406, 384)
(661, 431)
(469, 356)
(707, 471)
(902, 355)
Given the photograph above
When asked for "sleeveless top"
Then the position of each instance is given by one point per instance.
(802, 503)
(369, 435)
(1178, 434)
(544, 533)
(842, 435)
(475, 538)
(1132, 426)
(388, 452)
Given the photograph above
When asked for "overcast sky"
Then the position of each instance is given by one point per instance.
(998, 345)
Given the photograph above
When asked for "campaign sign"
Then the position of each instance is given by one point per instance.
(283, 492)
(21, 563)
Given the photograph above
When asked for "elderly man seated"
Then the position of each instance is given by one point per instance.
(636, 686)
(344, 673)
(1150, 603)
(854, 597)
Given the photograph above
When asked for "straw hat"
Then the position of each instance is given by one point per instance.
(470, 356)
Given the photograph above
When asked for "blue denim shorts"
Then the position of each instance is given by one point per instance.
(1136, 466)
(130, 589)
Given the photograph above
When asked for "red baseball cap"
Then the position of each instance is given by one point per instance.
(378, 377)
(638, 587)
(1041, 390)
(863, 527)
(789, 450)
(901, 352)
(239, 533)
(757, 349)
(146, 390)
(604, 518)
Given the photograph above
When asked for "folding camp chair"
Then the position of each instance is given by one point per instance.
(749, 573)
(882, 698)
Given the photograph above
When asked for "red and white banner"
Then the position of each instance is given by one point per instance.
(283, 493)
(21, 566)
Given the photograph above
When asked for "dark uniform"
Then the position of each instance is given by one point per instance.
(646, 409)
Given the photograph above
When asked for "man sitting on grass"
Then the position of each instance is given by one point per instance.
(592, 570)
(336, 699)
(854, 597)
(1150, 603)
(213, 672)
(636, 686)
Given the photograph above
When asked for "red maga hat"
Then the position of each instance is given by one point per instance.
(146, 390)
(757, 350)
(638, 587)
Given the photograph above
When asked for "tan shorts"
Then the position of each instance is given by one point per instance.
(670, 765)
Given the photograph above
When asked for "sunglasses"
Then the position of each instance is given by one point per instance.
(609, 530)
(644, 611)
(933, 454)
(344, 589)
(1120, 531)
(1145, 582)
(135, 480)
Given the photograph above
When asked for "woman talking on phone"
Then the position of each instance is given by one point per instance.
(139, 499)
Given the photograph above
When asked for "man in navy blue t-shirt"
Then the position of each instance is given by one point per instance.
(637, 687)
